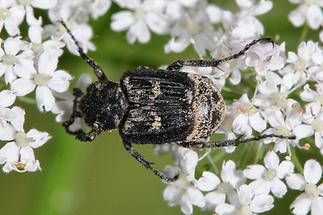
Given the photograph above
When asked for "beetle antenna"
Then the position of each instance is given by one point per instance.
(96, 68)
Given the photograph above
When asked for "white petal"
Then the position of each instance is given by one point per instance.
(214, 199)
(9, 153)
(44, 98)
(214, 13)
(7, 132)
(47, 63)
(139, 31)
(176, 45)
(314, 16)
(122, 20)
(22, 86)
(24, 68)
(7, 98)
(225, 209)
(208, 181)
(241, 126)
(60, 81)
(257, 122)
(302, 131)
(196, 197)
(312, 171)
(172, 194)
(263, 7)
(35, 33)
(189, 161)
(12, 45)
(262, 203)
(245, 194)
(260, 186)
(39, 138)
(186, 205)
(317, 206)
(271, 160)
(17, 118)
(285, 168)
(278, 188)
(254, 171)
(27, 154)
(297, 18)
(157, 23)
(296, 181)
(301, 205)
(44, 4)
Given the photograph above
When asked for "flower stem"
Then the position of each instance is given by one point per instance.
(303, 34)
(260, 152)
(296, 161)
(212, 162)
(26, 100)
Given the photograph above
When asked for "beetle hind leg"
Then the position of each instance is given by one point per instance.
(147, 164)
(234, 142)
(177, 65)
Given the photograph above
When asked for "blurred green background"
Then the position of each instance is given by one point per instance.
(100, 177)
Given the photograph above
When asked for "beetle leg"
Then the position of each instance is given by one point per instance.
(83, 136)
(147, 164)
(96, 68)
(234, 142)
(76, 112)
(177, 65)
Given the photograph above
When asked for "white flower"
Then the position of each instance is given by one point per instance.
(248, 117)
(39, 46)
(309, 11)
(248, 203)
(313, 117)
(220, 189)
(175, 8)
(13, 59)
(18, 155)
(187, 160)
(182, 192)
(11, 16)
(45, 80)
(283, 124)
(312, 198)
(265, 57)
(309, 54)
(269, 177)
(146, 15)
(195, 28)
(11, 119)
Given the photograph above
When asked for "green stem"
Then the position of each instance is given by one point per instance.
(260, 152)
(26, 100)
(295, 160)
(212, 162)
(303, 34)
(245, 154)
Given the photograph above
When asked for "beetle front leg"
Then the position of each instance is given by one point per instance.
(234, 142)
(146, 163)
(76, 112)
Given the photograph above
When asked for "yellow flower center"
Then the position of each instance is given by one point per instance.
(4, 13)
(8, 59)
(41, 79)
(312, 191)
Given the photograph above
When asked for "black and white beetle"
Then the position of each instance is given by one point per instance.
(156, 106)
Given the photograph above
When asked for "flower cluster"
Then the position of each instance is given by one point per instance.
(29, 64)
(281, 93)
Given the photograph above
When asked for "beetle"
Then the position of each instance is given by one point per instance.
(156, 106)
